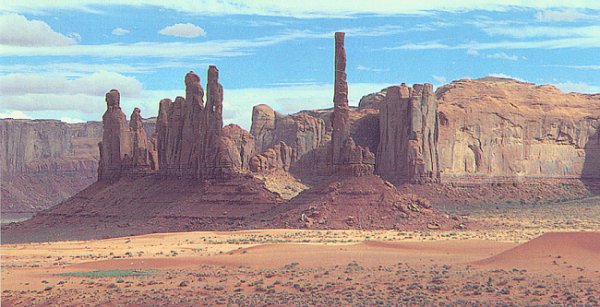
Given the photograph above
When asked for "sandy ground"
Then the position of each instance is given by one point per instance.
(527, 256)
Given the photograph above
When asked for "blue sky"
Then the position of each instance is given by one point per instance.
(58, 58)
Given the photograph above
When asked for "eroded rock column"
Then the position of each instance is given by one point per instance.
(340, 117)
(115, 147)
(408, 134)
(143, 151)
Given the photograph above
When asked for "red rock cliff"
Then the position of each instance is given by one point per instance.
(496, 127)
(408, 134)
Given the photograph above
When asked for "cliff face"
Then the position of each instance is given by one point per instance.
(303, 132)
(408, 134)
(506, 128)
(44, 162)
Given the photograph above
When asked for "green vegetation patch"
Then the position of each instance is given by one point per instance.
(108, 273)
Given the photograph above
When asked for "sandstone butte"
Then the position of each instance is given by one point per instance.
(489, 130)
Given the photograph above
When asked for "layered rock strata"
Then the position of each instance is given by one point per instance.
(43, 162)
(314, 143)
(502, 128)
(408, 134)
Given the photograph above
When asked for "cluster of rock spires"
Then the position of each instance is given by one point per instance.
(124, 149)
(190, 140)
(190, 134)
(408, 135)
(415, 139)
(469, 130)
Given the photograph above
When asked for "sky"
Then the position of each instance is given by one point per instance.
(58, 58)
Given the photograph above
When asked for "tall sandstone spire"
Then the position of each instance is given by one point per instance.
(115, 147)
(340, 117)
(345, 157)
(125, 150)
(144, 156)
(192, 125)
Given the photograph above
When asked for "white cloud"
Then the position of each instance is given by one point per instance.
(97, 83)
(502, 56)
(572, 42)
(72, 120)
(419, 46)
(214, 48)
(371, 69)
(76, 69)
(580, 67)
(16, 30)
(472, 52)
(186, 30)
(14, 114)
(526, 37)
(206, 49)
(560, 15)
(543, 31)
(306, 8)
(503, 75)
(47, 92)
(439, 79)
(75, 36)
(119, 31)
(578, 87)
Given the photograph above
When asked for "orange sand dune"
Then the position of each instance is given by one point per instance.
(370, 253)
(552, 252)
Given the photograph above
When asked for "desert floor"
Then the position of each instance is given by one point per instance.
(524, 255)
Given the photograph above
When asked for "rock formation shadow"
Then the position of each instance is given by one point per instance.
(590, 174)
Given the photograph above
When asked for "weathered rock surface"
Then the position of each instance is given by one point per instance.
(359, 202)
(340, 117)
(408, 134)
(116, 148)
(125, 150)
(191, 137)
(191, 140)
(44, 162)
(373, 100)
(239, 145)
(143, 149)
(302, 132)
(496, 127)
(344, 156)
(280, 156)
